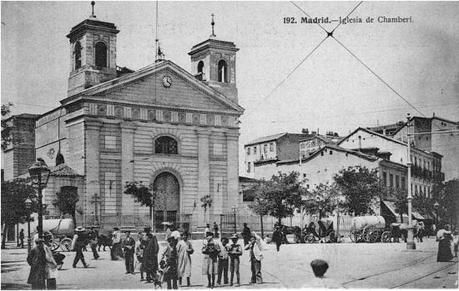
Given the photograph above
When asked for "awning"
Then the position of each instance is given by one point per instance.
(416, 215)
(391, 207)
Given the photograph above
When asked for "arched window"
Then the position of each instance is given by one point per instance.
(222, 71)
(165, 145)
(200, 66)
(101, 55)
(77, 55)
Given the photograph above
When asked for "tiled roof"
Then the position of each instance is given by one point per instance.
(266, 138)
(63, 170)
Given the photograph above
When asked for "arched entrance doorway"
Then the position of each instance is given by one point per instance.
(167, 204)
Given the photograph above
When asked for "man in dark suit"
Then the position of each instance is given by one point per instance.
(150, 256)
(129, 244)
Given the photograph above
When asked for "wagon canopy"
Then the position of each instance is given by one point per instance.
(62, 226)
(360, 222)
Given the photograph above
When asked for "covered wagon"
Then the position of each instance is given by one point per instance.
(367, 228)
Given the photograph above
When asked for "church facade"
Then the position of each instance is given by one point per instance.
(174, 131)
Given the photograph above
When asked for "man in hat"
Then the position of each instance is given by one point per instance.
(255, 257)
(92, 235)
(78, 243)
(51, 265)
(129, 244)
(116, 251)
(223, 262)
(234, 252)
(150, 256)
(37, 261)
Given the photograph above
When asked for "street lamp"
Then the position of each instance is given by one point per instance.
(28, 206)
(39, 173)
(436, 206)
(234, 209)
(410, 244)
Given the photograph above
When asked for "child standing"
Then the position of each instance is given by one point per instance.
(223, 262)
(210, 250)
(235, 251)
(169, 262)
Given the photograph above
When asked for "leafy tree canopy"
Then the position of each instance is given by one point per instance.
(324, 199)
(14, 194)
(206, 201)
(141, 193)
(281, 195)
(66, 201)
(360, 188)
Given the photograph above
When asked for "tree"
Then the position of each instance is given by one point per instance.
(324, 199)
(6, 126)
(400, 198)
(425, 205)
(282, 195)
(260, 206)
(142, 194)
(66, 201)
(14, 194)
(206, 202)
(447, 196)
(360, 188)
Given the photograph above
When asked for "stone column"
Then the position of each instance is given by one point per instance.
(232, 142)
(203, 171)
(92, 154)
(125, 204)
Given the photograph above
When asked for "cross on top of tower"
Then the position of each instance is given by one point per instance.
(212, 23)
(92, 13)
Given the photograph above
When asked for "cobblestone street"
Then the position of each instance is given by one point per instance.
(352, 265)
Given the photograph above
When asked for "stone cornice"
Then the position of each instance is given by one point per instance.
(92, 123)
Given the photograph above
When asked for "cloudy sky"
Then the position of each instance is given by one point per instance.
(330, 90)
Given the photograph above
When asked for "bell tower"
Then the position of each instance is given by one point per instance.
(92, 53)
(214, 62)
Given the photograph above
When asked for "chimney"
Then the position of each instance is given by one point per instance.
(305, 131)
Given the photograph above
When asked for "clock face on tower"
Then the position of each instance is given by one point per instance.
(167, 81)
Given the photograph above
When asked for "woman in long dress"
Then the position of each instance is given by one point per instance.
(444, 238)
(184, 249)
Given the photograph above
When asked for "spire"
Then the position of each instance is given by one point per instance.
(212, 23)
(92, 13)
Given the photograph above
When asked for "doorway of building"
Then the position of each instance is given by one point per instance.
(167, 204)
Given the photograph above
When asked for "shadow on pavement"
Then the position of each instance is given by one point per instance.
(15, 286)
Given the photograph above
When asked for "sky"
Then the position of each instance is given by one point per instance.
(330, 91)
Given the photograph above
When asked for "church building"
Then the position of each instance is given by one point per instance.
(161, 125)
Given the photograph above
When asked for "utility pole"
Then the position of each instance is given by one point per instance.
(410, 244)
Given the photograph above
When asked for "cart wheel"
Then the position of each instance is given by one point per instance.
(54, 245)
(310, 238)
(332, 236)
(385, 237)
(372, 237)
(66, 244)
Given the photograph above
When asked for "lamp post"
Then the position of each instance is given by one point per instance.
(39, 173)
(28, 206)
(234, 209)
(436, 206)
(410, 244)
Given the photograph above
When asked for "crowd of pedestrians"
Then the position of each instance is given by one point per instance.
(221, 257)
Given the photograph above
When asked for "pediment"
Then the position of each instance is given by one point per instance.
(147, 87)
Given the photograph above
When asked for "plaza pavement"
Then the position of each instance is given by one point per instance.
(352, 265)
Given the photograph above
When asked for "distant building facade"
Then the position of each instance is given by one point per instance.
(281, 147)
(431, 134)
(426, 166)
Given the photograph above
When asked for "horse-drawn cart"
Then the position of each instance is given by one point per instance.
(367, 229)
(321, 230)
(62, 230)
